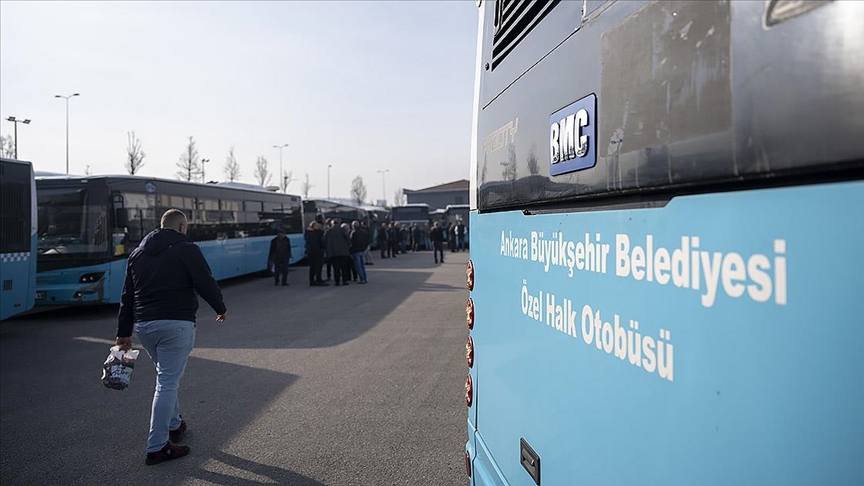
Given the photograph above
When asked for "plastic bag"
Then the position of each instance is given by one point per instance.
(117, 369)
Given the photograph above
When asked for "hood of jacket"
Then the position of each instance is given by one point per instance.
(160, 240)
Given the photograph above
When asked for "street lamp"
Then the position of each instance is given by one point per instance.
(383, 185)
(203, 177)
(328, 180)
(16, 122)
(67, 124)
(282, 174)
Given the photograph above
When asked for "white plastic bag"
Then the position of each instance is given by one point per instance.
(117, 369)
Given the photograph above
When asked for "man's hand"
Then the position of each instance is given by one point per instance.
(125, 343)
(221, 318)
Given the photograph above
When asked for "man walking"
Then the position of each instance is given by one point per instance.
(160, 303)
(279, 256)
(437, 237)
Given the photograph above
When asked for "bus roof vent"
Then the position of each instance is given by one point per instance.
(513, 20)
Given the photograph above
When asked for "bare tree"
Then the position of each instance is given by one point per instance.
(7, 146)
(189, 165)
(358, 190)
(232, 168)
(306, 186)
(533, 163)
(509, 168)
(287, 178)
(483, 172)
(134, 153)
(262, 173)
(398, 197)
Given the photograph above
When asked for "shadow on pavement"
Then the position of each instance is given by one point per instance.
(59, 425)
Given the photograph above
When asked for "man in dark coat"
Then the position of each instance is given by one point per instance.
(437, 237)
(339, 250)
(164, 277)
(392, 239)
(359, 245)
(315, 253)
(279, 256)
(382, 240)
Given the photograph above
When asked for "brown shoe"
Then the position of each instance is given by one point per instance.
(178, 432)
(169, 452)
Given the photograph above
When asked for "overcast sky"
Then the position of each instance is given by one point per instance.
(364, 86)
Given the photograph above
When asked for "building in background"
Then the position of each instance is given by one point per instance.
(440, 196)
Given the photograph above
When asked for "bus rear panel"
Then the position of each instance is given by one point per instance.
(667, 240)
(17, 237)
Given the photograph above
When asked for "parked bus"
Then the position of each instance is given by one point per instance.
(87, 226)
(17, 237)
(410, 214)
(667, 218)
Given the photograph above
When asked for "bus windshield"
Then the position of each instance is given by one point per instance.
(69, 223)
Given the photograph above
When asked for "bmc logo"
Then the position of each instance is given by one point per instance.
(572, 135)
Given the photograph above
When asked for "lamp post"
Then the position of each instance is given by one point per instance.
(203, 177)
(16, 122)
(67, 124)
(328, 180)
(282, 174)
(383, 185)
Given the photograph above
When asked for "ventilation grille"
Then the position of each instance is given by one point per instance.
(514, 19)
(7, 285)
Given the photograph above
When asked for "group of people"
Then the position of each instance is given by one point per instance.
(395, 238)
(344, 248)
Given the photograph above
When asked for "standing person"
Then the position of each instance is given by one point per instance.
(460, 235)
(330, 223)
(415, 237)
(338, 249)
(393, 239)
(437, 237)
(451, 230)
(159, 302)
(279, 256)
(382, 240)
(367, 255)
(359, 245)
(315, 253)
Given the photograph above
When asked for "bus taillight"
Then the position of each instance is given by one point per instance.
(468, 463)
(469, 352)
(469, 391)
(469, 313)
(469, 275)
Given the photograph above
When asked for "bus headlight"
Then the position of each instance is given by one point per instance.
(91, 277)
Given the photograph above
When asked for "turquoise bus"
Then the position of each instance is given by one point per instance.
(667, 229)
(17, 237)
(87, 226)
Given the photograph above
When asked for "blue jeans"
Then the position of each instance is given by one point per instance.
(359, 265)
(168, 342)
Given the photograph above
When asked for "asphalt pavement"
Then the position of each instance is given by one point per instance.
(354, 385)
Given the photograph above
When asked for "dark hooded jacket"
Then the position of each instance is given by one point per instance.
(162, 275)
